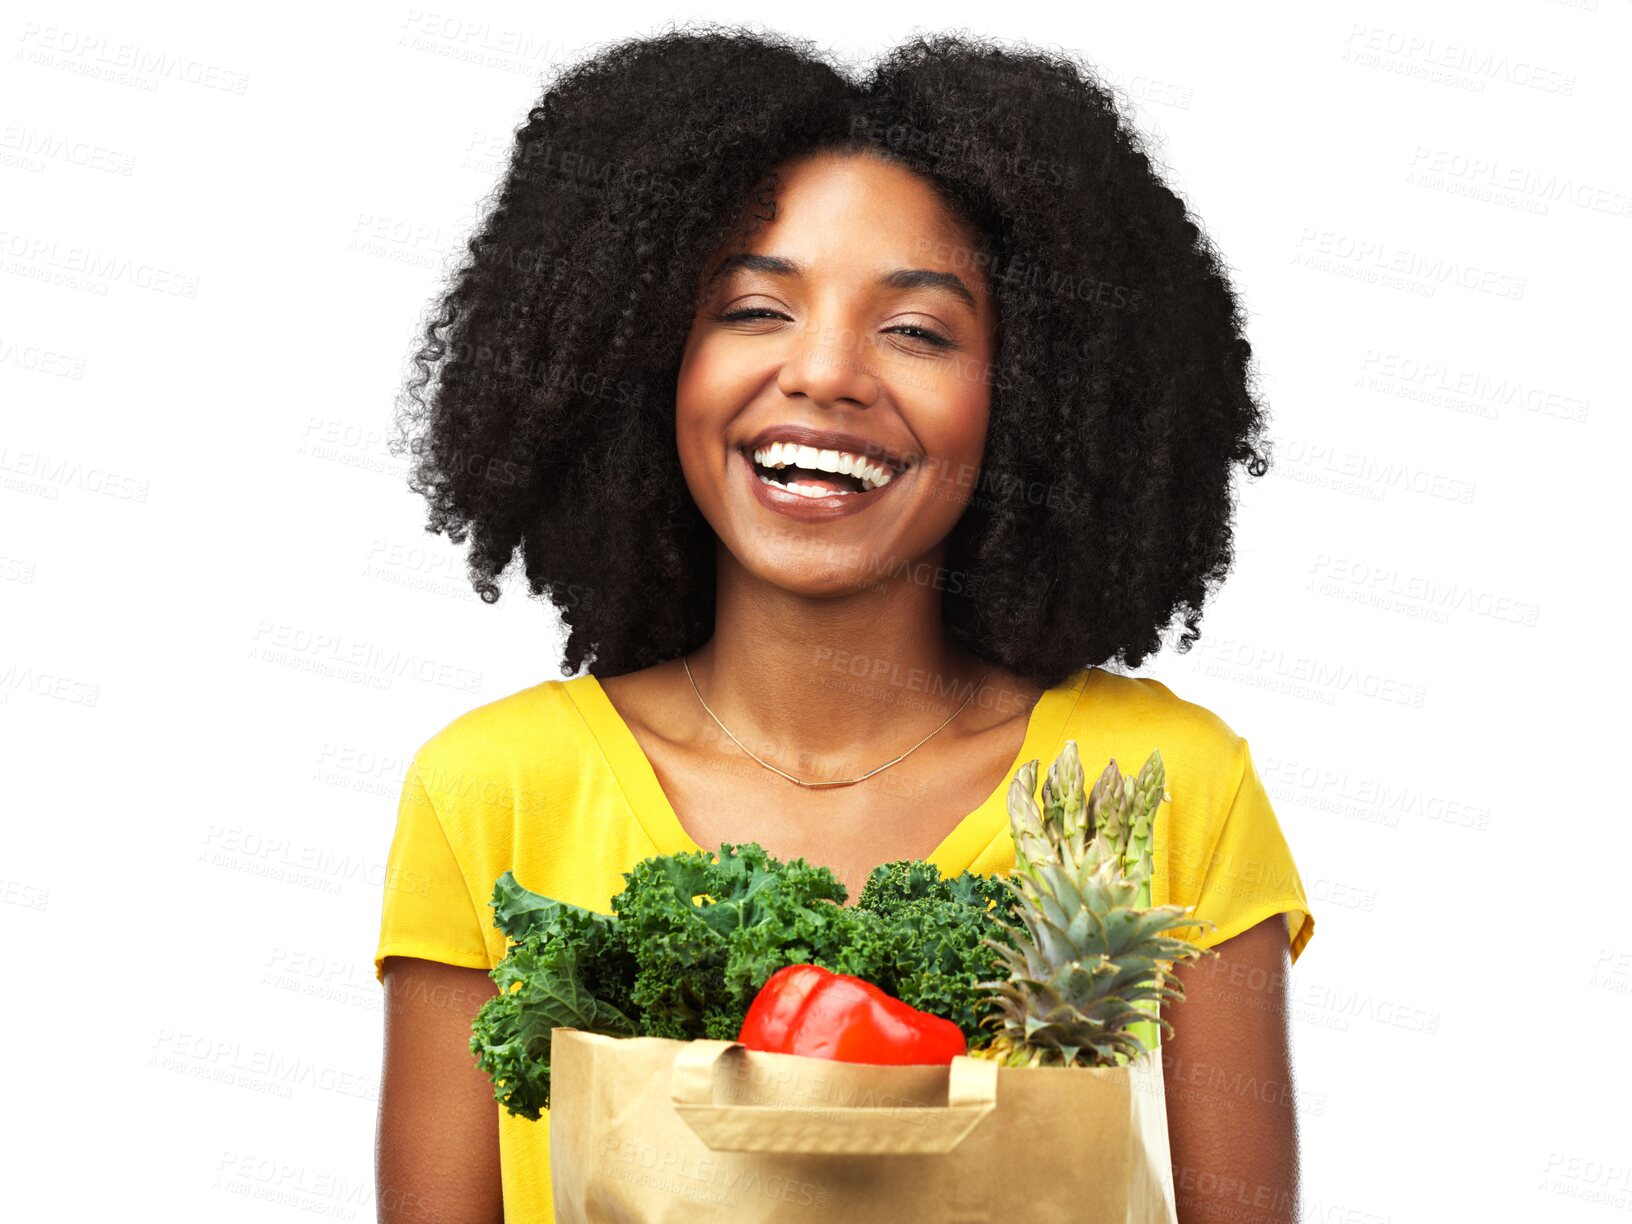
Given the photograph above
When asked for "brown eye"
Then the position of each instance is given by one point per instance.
(924, 334)
(751, 312)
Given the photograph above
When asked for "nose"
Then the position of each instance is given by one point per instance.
(826, 365)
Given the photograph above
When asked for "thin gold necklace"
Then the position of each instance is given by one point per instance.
(845, 781)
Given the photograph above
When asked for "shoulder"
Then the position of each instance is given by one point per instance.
(499, 751)
(1129, 717)
(1144, 704)
(496, 725)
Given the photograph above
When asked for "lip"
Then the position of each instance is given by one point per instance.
(827, 439)
(810, 509)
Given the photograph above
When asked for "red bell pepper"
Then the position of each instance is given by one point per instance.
(809, 1010)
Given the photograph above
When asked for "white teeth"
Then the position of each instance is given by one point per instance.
(783, 454)
(804, 490)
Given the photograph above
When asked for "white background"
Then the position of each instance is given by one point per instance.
(221, 227)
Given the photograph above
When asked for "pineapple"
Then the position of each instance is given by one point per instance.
(1092, 961)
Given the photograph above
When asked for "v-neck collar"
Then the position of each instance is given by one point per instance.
(633, 771)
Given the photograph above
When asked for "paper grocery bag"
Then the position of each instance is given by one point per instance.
(645, 1130)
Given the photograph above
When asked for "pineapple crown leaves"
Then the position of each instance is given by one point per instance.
(1090, 959)
(1068, 919)
(1072, 997)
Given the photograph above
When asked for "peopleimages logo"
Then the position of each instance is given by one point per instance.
(1380, 261)
(332, 654)
(1450, 63)
(78, 267)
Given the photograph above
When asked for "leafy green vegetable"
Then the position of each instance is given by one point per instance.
(928, 950)
(693, 936)
(569, 969)
(699, 966)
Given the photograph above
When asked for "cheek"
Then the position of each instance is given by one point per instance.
(706, 400)
(698, 401)
(956, 476)
(958, 446)
(711, 384)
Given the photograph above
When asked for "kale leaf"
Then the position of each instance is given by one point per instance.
(693, 936)
(927, 946)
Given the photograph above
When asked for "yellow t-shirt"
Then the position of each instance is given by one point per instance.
(551, 784)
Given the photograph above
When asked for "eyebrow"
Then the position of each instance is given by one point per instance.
(900, 278)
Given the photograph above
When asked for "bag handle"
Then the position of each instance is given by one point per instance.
(971, 1094)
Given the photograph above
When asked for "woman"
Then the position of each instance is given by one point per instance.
(849, 427)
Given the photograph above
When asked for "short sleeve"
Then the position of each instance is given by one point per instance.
(428, 911)
(1250, 875)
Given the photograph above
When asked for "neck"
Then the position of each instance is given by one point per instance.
(832, 686)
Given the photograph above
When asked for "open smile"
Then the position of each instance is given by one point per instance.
(816, 490)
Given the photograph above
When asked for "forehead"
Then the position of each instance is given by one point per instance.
(859, 210)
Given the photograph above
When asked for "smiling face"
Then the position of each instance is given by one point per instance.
(859, 310)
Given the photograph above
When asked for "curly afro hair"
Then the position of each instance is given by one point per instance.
(541, 411)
